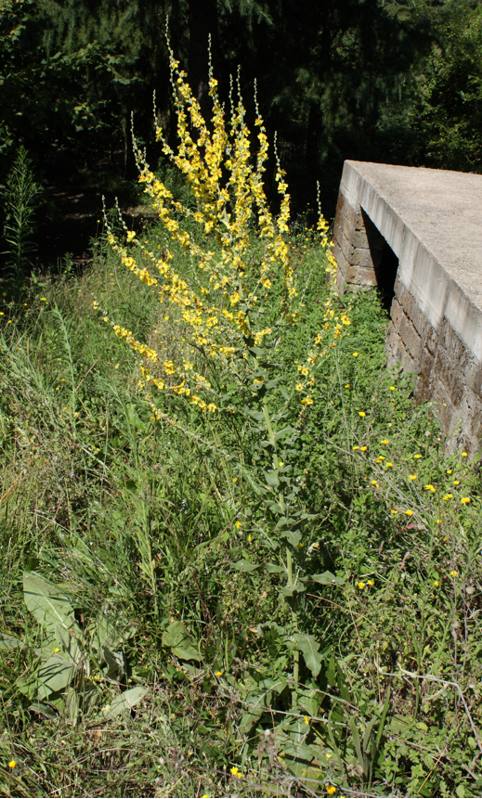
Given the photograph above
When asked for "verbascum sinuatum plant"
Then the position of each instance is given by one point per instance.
(242, 292)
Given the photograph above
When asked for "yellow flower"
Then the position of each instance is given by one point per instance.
(236, 773)
(362, 414)
(12, 764)
(238, 524)
(307, 401)
(412, 477)
(392, 388)
(464, 454)
(450, 471)
(370, 583)
(374, 483)
(363, 448)
(429, 487)
(408, 512)
(384, 441)
(306, 719)
(455, 483)
(330, 790)
(218, 674)
(299, 387)
(436, 583)
(347, 385)
(453, 573)
(355, 448)
(361, 585)
(249, 538)
(417, 456)
(379, 458)
(465, 500)
(355, 354)
(131, 235)
(447, 497)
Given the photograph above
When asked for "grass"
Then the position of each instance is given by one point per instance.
(339, 654)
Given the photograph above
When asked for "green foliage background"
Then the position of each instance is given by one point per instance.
(386, 80)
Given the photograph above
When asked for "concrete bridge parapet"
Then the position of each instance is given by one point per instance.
(416, 234)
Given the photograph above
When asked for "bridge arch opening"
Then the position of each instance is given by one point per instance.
(385, 262)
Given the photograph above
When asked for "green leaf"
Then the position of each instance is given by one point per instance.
(181, 643)
(309, 647)
(327, 578)
(272, 478)
(47, 603)
(55, 674)
(245, 565)
(124, 702)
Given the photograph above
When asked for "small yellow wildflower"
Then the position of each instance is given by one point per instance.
(330, 790)
(361, 585)
(394, 512)
(218, 674)
(430, 488)
(370, 583)
(436, 583)
(392, 388)
(412, 477)
(299, 387)
(417, 456)
(347, 385)
(130, 235)
(43, 299)
(249, 538)
(464, 454)
(374, 483)
(408, 512)
(447, 497)
(363, 448)
(12, 764)
(450, 471)
(355, 448)
(306, 719)
(355, 354)
(238, 524)
(237, 773)
(385, 441)
(453, 573)
(307, 401)
(465, 500)
(362, 414)
(455, 483)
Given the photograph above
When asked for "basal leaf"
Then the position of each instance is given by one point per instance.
(181, 643)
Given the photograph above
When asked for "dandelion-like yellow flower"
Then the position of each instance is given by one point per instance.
(430, 488)
(417, 456)
(412, 477)
(330, 790)
(465, 500)
(385, 441)
(453, 573)
(362, 414)
(447, 497)
(408, 512)
(360, 585)
(307, 401)
(236, 773)
(12, 764)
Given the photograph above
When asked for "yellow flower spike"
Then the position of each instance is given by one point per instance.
(465, 500)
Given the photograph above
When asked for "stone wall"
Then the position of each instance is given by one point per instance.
(422, 218)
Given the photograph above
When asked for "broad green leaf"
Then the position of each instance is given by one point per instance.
(47, 603)
(272, 478)
(180, 641)
(308, 646)
(245, 565)
(327, 578)
(9, 642)
(54, 675)
(124, 702)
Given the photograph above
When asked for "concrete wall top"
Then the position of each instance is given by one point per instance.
(432, 220)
